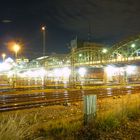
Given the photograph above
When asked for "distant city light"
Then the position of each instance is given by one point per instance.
(82, 71)
(3, 56)
(130, 69)
(110, 70)
(66, 72)
(5, 66)
(57, 72)
(33, 74)
(50, 74)
(9, 60)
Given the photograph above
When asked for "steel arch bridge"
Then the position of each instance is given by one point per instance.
(127, 48)
(126, 51)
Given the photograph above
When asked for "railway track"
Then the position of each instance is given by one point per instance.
(10, 102)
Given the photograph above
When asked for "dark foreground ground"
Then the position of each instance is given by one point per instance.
(117, 119)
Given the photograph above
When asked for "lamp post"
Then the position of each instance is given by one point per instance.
(103, 59)
(3, 56)
(72, 77)
(103, 55)
(44, 51)
(16, 49)
(44, 40)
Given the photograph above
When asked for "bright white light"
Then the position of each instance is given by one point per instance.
(49, 74)
(10, 73)
(9, 60)
(104, 50)
(110, 70)
(23, 75)
(16, 48)
(3, 56)
(68, 61)
(57, 72)
(36, 73)
(43, 28)
(130, 69)
(28, 73)
(119, 57)
(41, 72)
(133, 45)
(66, 72)
(82, 71)
(5, 66)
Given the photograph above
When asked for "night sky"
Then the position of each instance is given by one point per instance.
(107, 21)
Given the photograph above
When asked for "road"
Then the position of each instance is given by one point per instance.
(36, 99)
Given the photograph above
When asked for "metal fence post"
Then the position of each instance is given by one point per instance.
(89, 108)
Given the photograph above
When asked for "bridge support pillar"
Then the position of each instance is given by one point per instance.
(105, 79)
(125, 80)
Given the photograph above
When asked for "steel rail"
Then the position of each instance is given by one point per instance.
(23, 101)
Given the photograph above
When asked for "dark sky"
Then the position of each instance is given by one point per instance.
(107, 21)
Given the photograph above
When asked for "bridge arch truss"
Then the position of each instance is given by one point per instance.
(122, 52)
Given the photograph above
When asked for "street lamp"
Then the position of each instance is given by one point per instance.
(16, 49)
(104, 50)
(133, 45)
(80, 55)
(3, 56)
(44, 51)
(44, 41)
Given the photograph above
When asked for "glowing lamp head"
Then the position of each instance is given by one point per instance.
(104, 50)
(16, 48)
(133, 45)
(3, 55)
(43, 28)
